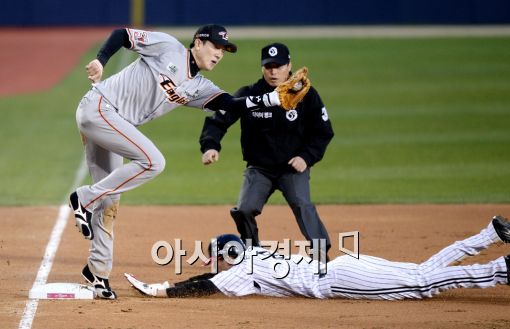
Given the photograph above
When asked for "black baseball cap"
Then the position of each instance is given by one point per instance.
(275, 53)
(217, 34)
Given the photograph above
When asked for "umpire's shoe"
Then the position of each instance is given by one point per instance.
(101, 285)
(82, 216)
(502, 227)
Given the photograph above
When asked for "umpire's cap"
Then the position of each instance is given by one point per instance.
(235, 246)
(275, 53)
(217, 34)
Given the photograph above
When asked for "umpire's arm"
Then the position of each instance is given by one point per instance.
(216, 125)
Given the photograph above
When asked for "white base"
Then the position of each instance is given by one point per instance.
(62, 291)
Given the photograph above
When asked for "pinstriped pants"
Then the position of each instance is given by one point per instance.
(376, 278)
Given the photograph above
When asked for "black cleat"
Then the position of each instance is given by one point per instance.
(502, 227)
(82, 216)
(101, 285)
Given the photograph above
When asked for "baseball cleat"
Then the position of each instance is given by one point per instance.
(147, 289)
(82, 216)
(101, 286)
(502, 227)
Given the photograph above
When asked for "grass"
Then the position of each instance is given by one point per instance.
(416, 121)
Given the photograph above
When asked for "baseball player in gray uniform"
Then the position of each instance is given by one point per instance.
(165, 75)
(260, 272)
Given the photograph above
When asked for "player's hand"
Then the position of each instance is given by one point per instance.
(210, 156)
(298, 164)
(94, 70)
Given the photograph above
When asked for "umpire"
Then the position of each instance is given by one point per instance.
(278, 146)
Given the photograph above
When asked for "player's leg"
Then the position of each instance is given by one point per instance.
(376, 278)
(467, 247)
(295, 188)
(101, 163)
(101, 124)
(255, 190)
(369, 277)
(470, 276)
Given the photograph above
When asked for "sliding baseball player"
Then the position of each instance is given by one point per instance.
(260, 272)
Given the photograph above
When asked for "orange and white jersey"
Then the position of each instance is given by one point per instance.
(158, 81)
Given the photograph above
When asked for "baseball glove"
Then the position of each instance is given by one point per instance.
(292, 91)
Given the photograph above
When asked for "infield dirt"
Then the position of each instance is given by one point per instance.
(402, 233)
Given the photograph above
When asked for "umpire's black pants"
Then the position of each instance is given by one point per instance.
(259, 184)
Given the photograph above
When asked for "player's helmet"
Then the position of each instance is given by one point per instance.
(234, 244)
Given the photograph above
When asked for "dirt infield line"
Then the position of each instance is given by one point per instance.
(46, 265)
(30, 310)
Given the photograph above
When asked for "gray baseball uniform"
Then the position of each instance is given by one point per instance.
(367, 277)
(107, 116)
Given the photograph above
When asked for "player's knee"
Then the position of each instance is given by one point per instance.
(154, 164)
(157, 164)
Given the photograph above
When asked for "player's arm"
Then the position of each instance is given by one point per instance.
(287, 95)
(118, 38)
(205, 276)
(229, 103)
(195, 288)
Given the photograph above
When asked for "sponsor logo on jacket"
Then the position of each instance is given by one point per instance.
(262, 115)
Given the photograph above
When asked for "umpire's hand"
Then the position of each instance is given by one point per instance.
(298, 163)
(210, 156)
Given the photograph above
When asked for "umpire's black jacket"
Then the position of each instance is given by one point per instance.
(270, 137)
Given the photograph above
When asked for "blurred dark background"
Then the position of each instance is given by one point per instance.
(262, 12)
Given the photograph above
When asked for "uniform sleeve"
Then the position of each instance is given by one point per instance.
(235, 281)
(215, 127)
(227, 102)
(200, 277)
(319, 132)
(196, 288)
(150, 43)
(117, 39)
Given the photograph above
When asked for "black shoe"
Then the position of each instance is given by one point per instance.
(502, 227)
(101, 285)
(82, 216)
